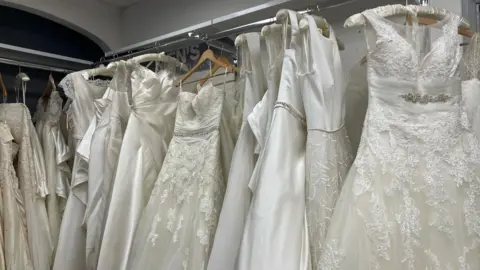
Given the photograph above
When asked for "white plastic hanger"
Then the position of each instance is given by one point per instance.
(160, 57)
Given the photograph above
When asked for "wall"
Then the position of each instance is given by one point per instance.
(99, 22)
(158, 18)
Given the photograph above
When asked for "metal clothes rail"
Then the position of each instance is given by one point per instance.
(194, 38)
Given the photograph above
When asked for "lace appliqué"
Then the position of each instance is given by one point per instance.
(424, 99)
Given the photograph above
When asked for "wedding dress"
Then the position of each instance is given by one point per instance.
(237, 197)
(15, 245)
(112, 112)
(56, 153)
(471, 82)
(71, 249)
(147, 136)
(30, 170)
(275, 236)
(411, 199)
(356, 102)
(328, 153)
(177, 227)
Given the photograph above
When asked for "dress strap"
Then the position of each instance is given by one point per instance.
(294, 41)
(253, 43)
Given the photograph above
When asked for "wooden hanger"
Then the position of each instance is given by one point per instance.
(429, 21)
(4, 89)
(216, 67)
(207, 55)
(48, 89)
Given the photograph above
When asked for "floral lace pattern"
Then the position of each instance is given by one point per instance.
(412, 198)
(180, 219)
(328, 160)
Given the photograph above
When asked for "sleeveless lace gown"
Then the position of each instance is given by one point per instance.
(237, 197)
(275, 236)
(328, 153)
(411, 199)
(177, 227)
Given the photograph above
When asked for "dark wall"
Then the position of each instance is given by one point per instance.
(23, 29)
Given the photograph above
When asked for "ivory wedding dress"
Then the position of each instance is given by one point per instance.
(56, 153)
(15, 244)
(275, 236)
(71, 248)
(147, 136)
(328, 153)
(411, 199)
(237, 197)
(177, 227)
(30, 170)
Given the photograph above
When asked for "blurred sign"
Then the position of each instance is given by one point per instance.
(191, 54)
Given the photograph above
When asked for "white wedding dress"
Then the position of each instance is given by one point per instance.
(411, 200)
(112, 113)
(71, 249)
(177, 227)
(56, 153)
(15, 244)
(328, 153)
(471, 83)
(145, 143)
(275, 236)
(237, 196)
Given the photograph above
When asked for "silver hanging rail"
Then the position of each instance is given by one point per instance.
(35, 66)
(194, 38)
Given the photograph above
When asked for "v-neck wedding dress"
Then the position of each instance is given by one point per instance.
(411, 200)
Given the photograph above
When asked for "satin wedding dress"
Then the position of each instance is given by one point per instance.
(71, 249)
(30, 170)
(56, 153)
(328, 153)
(275, 236)
(237, 196)
(411, 199)
(102, 152)
(147, 136)
(15, 244)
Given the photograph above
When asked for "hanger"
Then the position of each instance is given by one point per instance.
(22, 76)
(99, 71)
(48, 89)
(160, 57)
(423, 13)
(207, 55)
(223, 59)
(4, 89)
(322, 25)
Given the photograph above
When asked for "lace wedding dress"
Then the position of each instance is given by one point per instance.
(71, 249)
(15, 244)
(275, 236)
(145, 143)
(56, 152)
(328, 153)
(237, 197)
(411, 199)
(30, 170)
(177, 227)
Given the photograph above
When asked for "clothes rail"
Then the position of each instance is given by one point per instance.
(193, 37)
(33, 65)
